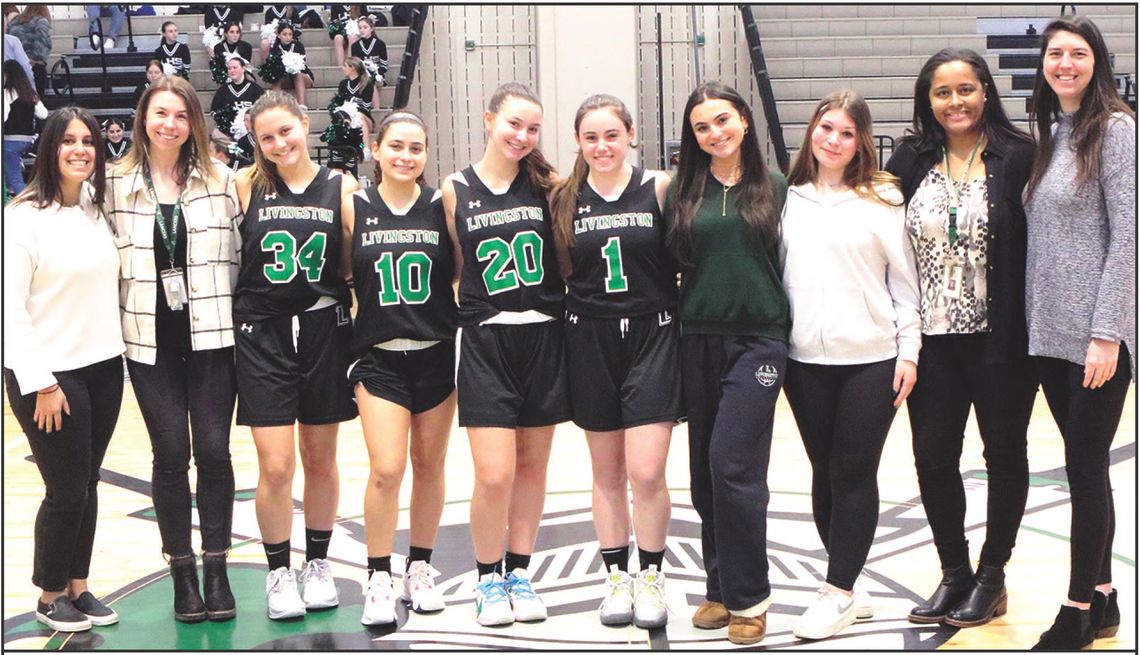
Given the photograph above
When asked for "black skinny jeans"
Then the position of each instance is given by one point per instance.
(844, 414)
(952, 377)
(730, 386)
(188, 399)
(1088, 419)
(69, 462)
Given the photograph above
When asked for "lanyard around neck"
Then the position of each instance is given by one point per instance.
(169, 238)
(954, 189)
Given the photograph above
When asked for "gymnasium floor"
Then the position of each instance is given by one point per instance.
(129, 571)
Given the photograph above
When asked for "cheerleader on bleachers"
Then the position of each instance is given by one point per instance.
(373, 52)
(172, 54)
(221, 17)
(116, 144)
(153, 72)
(287, 42)
(237, 94)
(279, 13)
(358, 85)
(232, 44)
(342, 31)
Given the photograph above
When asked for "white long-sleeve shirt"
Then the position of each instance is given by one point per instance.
(61, 291)
(851, 278)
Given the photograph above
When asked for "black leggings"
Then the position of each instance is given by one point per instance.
(952, 376)
(1088, 419)
(844, 414)
(188, 400)
(69, 462)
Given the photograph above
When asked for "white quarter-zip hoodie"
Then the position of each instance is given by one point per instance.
(850, 274)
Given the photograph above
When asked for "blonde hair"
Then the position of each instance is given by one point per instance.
(195, 153)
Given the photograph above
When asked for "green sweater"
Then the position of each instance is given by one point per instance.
(731, 287)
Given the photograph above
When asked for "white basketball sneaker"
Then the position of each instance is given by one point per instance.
(419, 588)
(617, 605)
(492, 604)
(318, 586)
(649, 610)
(379, 600)
(524, 601)
(830, 613)
(281, 596)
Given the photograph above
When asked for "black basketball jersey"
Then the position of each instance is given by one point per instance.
(402, 267)
(621, 265)
(291, 250)
(508, 250)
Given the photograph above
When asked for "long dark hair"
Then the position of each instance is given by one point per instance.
(756, 200)
(15, 79)
(862, 173)
(1099, 103)
(45, 187)
(925, 131)
(538, 171)
(565, 196)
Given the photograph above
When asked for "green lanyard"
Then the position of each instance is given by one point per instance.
(169, 238)
(954, 189)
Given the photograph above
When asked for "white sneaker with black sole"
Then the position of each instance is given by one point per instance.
(617, 605)
(379, 600)
(62, 615)
(864, 609)
(831, 612)
(419, 588)
(282, 598)
(318, 588)
(649, 609)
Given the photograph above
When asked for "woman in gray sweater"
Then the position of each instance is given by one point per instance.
(1081, 297)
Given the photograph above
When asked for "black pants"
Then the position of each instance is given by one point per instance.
(730, 386)
(187, 399)
(952, 377)
(1088, 419)
(844, 414)
(69, 462)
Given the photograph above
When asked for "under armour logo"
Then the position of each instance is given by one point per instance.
(247, 328)
(573, 318)
(472, 204)
(271, 196)
(372, 221)
(583, 210)
(664, 318)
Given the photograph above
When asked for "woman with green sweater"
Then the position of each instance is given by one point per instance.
(724, 211)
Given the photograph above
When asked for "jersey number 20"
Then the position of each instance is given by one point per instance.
(523, 254)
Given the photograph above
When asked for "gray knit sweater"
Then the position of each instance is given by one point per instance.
(1080, 277)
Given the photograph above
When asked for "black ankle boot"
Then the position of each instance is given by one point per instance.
(987, 599)
(956, 583)
(1070, 631)
(220, 604)
(188, 605)
(1104, 615)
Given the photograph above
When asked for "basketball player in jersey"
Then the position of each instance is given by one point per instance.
(625, 388)
(293, 335)
(512, 385)
(403, 267)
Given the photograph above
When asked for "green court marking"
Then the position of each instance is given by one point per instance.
(1060, 537)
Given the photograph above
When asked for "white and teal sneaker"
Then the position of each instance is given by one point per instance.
(492, 604)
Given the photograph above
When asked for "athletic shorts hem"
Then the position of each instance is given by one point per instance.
(498, 422)
(328, 420)
(266, 422)
(384, 393)
(670, 418)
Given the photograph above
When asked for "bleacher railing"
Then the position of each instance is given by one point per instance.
(764, 86)
(411, 56)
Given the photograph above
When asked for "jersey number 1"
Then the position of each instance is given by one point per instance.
(287, 258)
(616, 281)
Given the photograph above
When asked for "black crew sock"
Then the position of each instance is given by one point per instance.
(417, 554)
(647, 558)
(379, 564)
(317, 544)
(618, 556)
(516, 561)
(493, 567)
(277, 555)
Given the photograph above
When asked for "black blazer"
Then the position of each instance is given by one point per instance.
(1008, 163)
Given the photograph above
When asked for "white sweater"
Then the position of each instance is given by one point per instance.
(61, 291)
(851, 278)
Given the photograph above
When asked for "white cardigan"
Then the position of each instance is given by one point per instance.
(851, 278)
(61, 291)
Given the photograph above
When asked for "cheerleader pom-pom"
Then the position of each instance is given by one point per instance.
(212, 36)
(272, 69)
(269, 30)
(237, 128)
(218, 70)
(349, 112)
(293, 62)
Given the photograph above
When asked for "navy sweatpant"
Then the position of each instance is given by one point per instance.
(730, 385)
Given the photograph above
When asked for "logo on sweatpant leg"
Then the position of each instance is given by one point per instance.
(767, 375)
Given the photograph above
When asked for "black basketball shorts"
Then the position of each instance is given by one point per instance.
(416, 380)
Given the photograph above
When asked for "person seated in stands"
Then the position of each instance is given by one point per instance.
(279, 13)
(340, 17)
(220, 150)
(111, 32)
(117, 144)
(239, 92)
(358, 85)
(373, 52)
(288, 42)
(233, 44)
(13, 49)
(172, 53)
(153, 72)
(309, 16)
(221, 17)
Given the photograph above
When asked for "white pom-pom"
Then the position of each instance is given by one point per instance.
(169, 69)
(351, 108)
(211, 37)
(269, 30)
(237, 128)
(294, 62)
(351, 28)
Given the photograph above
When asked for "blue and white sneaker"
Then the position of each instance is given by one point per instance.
(525, 602)
(492, 604)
